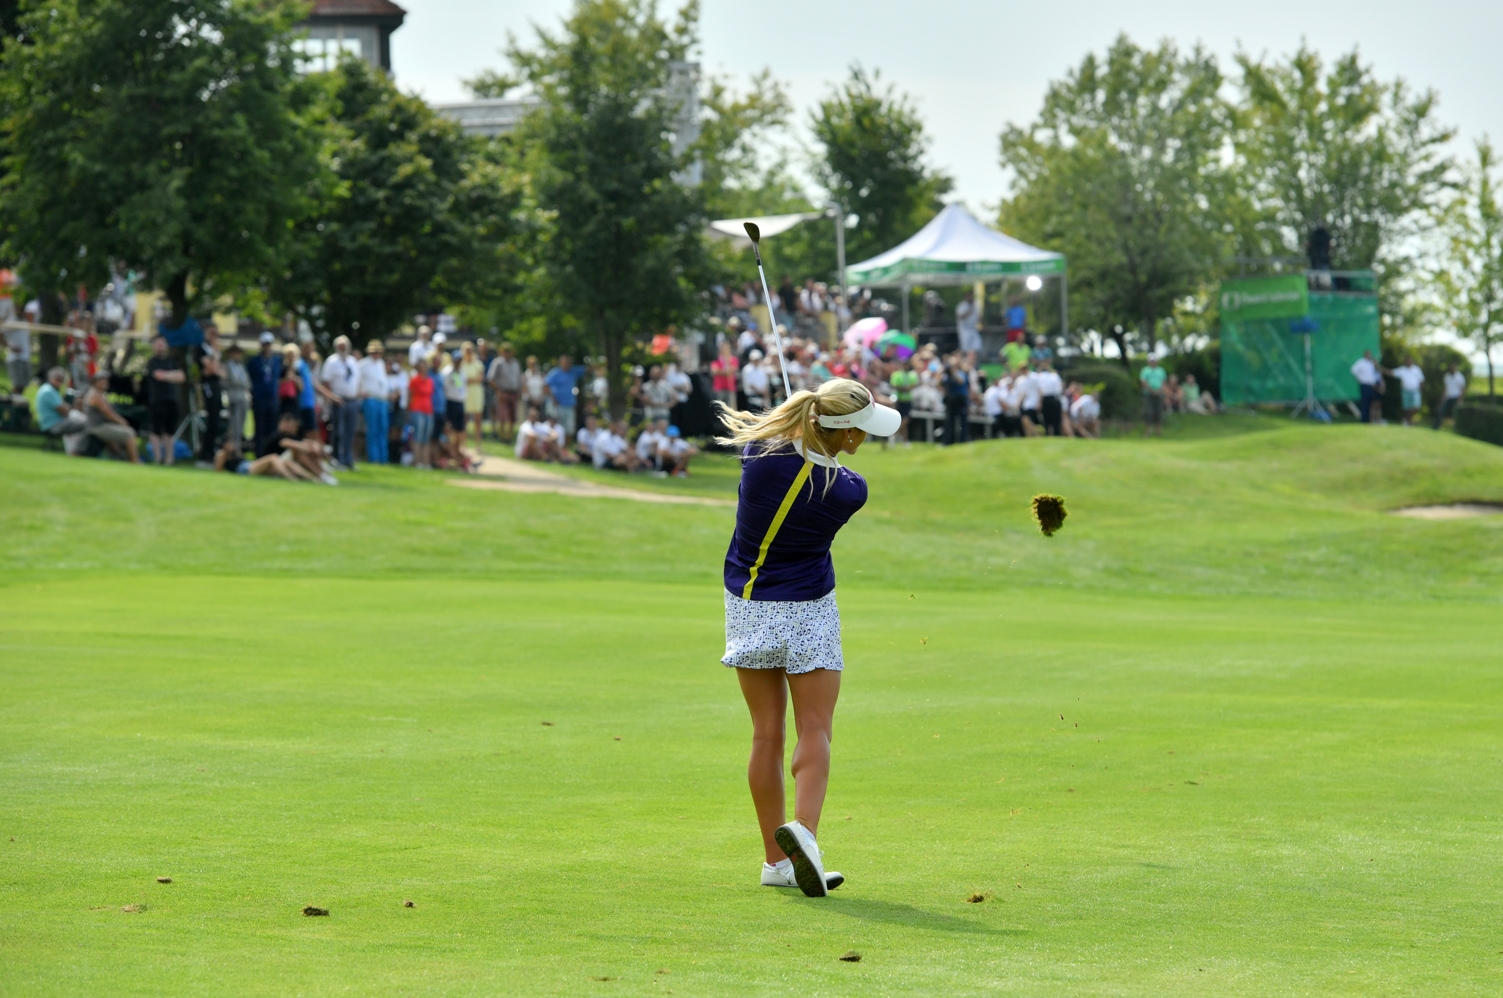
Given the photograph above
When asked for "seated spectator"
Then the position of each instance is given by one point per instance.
(1174, 395)
(611, 450)
(105, 424)
(1085, 416)
(1194, 400)
(539, 440)
(307, 459)
(584, 440)
(56, 417)
(676, 453)
(652, 442)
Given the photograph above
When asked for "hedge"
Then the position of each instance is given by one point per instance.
(1480, 420)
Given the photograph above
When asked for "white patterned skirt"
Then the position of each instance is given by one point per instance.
(793, 635)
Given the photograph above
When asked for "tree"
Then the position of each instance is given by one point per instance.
(1342, 150)
(871, 161)
(624, 247)
(1472, 277)
(1123, 172)
(417, 212)
(164, 135)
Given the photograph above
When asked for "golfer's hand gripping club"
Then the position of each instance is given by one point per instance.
(755, 234)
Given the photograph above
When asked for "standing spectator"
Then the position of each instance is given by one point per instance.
(534, 388)
(105, 424)
(994, 404)
(397, 378)
(1411, 378)
(472, 368)
(163, 375)
(956, 384)
(211, 383)
(505, 377)
(55, 417)
(307, 402)
(265, 370)
(1015, 355)
(1051, 407)
(755, 383)
(17, 350)
(485, 355)
(455, 396)
(1152, 378)
(375, 402)
(968, 324)
(421, 347)
(563, 384)
(658, 394)
(1455, 383)
(342, 378)
(290, 386)
(420, 409)
(1369, 383)
(903, 379)
(237, 393)
(787, 297)
(725, 373)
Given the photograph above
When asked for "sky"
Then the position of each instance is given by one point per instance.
(973, 66)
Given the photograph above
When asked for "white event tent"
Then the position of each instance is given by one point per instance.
(955, 249)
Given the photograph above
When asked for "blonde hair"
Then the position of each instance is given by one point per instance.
(797, 419)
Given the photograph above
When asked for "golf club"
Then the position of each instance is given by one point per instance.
(755, 234)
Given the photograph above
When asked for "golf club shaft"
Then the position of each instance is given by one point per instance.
(772, 320)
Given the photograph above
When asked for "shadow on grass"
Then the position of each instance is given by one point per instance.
(894, 913)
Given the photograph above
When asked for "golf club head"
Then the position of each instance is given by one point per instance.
(753, 233)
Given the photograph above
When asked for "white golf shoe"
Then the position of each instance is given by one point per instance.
(808, 869)
(782, 876)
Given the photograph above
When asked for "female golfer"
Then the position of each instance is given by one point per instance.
(782, 629)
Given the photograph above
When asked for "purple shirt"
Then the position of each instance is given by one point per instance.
(796, 525)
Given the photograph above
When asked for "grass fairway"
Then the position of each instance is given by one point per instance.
(1233, 731)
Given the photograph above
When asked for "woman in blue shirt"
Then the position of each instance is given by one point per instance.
(782, 627)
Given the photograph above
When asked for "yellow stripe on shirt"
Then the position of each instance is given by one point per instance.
(777, 521)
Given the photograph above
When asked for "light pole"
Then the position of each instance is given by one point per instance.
(837, 211)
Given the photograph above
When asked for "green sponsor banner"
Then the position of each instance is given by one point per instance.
(978, 268)
(1287, 296)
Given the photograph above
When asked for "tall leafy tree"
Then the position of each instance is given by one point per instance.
(1471, 280)
(162, 134)
(624, 245)
(418, 213)
(1124, 172)
(871, 161)
(1341, 149)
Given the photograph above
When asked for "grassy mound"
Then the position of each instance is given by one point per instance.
(1226, 733)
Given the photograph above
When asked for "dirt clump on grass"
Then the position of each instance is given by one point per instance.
(164, 880)
(976, 898)
(132, 909)
(851, 956)
(312, 911)
(408, 904)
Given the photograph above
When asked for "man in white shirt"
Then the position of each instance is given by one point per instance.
(1085, 416)
(1050, 387)
(17, 349)
(1029, 402)
(584, 440)
(1369, 382)
(993, 403)
(541, 439)
(676, 453)
(421, 347)
(652, 445)
(755, 383)
(1455, 383)
(1410, 378)
(968, 324)
(612, 451)
(375, 401)
(341, 375)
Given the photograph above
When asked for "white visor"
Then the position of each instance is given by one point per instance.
(878, 420)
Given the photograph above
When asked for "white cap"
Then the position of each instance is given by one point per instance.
(440, 338)
(878, 420)
(268, 338)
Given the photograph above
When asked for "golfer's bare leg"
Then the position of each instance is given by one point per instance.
(814, 696)
(767, 699)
